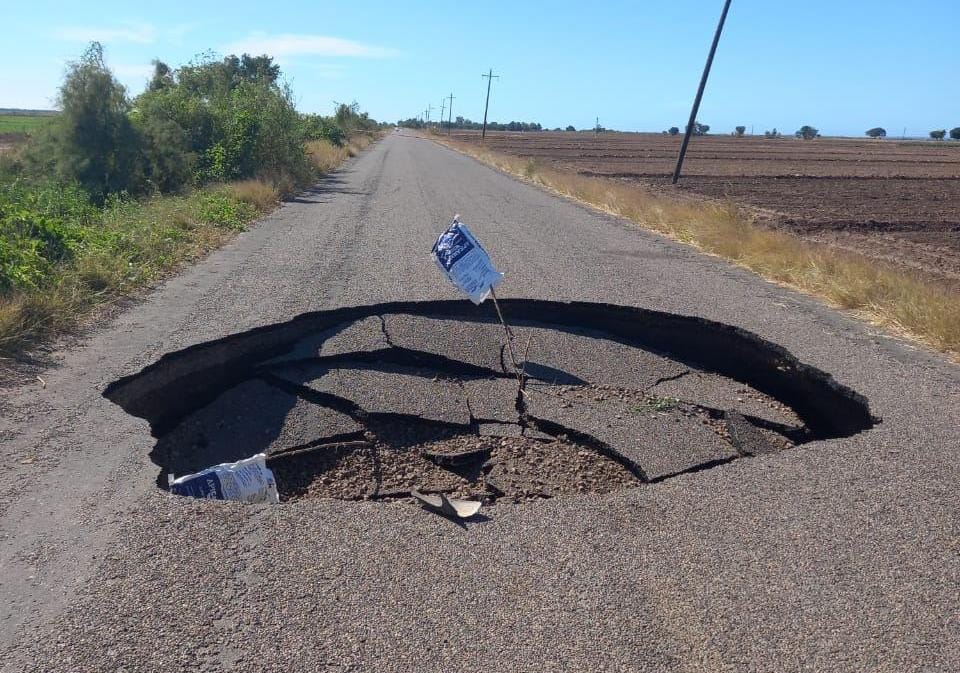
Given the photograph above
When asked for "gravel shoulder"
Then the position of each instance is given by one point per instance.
(841, 555)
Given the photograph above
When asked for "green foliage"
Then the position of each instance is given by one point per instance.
(223, 210)
(938, 134)
(40, 228)
(570, 128)
(739, 131)
(318, 127)
(772, 134)
(93, 142)
(26, 124)
(807, 132)
(876, 132)
(673, 130)
(228, 120)
(955, 133)
(700, 129)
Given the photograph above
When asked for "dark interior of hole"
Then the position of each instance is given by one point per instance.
(181, 382)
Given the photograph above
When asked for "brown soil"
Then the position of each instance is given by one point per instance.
(512, 469)
(889, 200)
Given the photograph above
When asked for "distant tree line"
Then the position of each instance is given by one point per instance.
(467, 124)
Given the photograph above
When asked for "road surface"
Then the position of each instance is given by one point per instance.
(842, 555)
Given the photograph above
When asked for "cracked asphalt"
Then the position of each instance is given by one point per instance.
(840, 555)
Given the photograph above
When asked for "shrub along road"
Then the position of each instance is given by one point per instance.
(839, 555)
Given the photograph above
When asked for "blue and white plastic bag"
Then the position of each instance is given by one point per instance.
(247, 480)
(465, 263)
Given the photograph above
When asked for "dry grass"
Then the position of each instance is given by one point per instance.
(325, 156)
(360, 142)
(260, 194)
(909, 303)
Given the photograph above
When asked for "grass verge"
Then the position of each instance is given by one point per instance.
(909, 303)
(62, 259)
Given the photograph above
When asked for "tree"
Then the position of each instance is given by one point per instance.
(673, 130)
(162, 76)
(740, 130)
(955, 133)
(570, 128)
(93, 141)
(700, 129)
(807, 132)
(772, 134)
(877, 132)
(938, 134)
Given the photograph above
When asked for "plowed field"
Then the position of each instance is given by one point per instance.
(891, 200)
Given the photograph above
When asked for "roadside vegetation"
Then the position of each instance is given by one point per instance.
(115, 192)
(909, 303)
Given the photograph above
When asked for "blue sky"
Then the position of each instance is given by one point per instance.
(840, 66)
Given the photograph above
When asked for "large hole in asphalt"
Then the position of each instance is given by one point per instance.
(370, 402)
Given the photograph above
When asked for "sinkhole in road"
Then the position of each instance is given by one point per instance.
(371, 402)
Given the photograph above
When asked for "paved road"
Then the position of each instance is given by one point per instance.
(843, 555)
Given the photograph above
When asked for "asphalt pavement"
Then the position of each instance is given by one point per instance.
(841, 555)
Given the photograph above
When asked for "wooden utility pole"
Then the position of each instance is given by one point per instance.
(490, 77)
(696, 100)
(443, 103)
(450, 121)
(429, 110)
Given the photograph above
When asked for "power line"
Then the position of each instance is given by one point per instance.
(490, 77)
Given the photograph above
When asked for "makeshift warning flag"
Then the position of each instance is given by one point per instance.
(465, 263)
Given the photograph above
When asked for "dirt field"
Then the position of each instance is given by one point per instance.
(892, 200)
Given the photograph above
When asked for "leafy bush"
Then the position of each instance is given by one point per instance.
(955, 133)
(93, 142)
(219, 208)
(40, 228)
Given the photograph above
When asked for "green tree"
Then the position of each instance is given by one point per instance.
(162, 76)
(570, 128)
(807, 132)
(955, 133)
(93, 141)
(700, 129)
(939, 134)
(877, 132)
(673, 130)
(739, 131)
(236, 120)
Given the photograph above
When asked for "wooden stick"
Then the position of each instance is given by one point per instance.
(506, 329)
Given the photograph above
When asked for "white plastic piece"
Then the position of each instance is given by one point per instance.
(247, 480)
(462, 509)
(465, 263)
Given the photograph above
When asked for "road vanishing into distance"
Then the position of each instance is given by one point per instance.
(837, 555)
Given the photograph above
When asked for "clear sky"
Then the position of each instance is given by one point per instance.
(840, 65)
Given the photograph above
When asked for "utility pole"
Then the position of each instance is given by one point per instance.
(703, 84)
(443, 102)
(429, 109)
(490, 77)
(450, 121)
